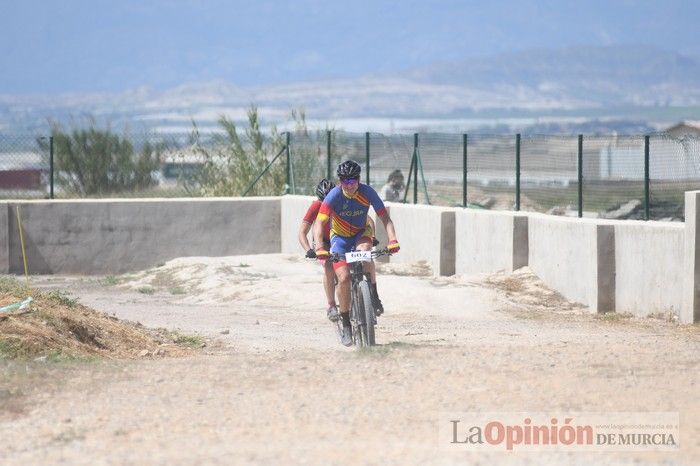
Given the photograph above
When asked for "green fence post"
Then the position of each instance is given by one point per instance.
(580, 175)
(51, 167)
(646, 178)
(328, 154)
(415, 173)
(289, 164)
(517, 171)
(464, 170)
(408, 180)
(367, 157)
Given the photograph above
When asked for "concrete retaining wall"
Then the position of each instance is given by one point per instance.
(4, 239)
(575, 257)
(425, 233)
(637, 267)
(115, 236)
(648, 267)
(690, 311)
(490, 241)
(292, 212)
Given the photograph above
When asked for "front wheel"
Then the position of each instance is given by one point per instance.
(368, 309)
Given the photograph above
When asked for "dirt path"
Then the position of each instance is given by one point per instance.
(276, 387)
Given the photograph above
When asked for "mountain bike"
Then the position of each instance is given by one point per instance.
(362, 314)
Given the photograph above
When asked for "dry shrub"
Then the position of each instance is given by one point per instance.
(58, 327)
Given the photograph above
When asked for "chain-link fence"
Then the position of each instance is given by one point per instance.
(595, 176)
(602, 176)
(24, 168)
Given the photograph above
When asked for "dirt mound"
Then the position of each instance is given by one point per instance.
(414, 269)
(525, 289)
(54, 326)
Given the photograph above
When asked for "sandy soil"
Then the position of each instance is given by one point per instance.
(273, 384)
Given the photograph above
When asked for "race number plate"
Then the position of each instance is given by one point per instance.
(358, 256)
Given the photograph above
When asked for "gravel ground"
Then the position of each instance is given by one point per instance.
(274, 386)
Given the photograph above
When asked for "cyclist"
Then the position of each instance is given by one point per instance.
(346, 207)
(323, 187)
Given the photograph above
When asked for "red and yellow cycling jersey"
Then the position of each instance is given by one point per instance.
(348, 215)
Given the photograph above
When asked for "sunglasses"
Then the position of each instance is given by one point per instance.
(349, 181)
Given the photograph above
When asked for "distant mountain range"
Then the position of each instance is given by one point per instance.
(618, 82)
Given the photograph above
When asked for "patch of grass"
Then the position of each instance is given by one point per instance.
(614, 316)
(149, 290)
(373, 351)
(403, 345)
(61, 298)
(16, 349)
(14, 287)
(166, 279)
(10, 348)
(110, 280)
(243, 264)
(193, 341)
(57, 356)
(178, 290)
(160, 264)
(529, 314)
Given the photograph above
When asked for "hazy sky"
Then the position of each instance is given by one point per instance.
(96, 45)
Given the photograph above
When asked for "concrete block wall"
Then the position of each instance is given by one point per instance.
(490, 241)
(116, 236)
(648, 267)
(575, 257)
(293, 209)
(424, 233)
(690, 311)
(4, 238)
(637, 267)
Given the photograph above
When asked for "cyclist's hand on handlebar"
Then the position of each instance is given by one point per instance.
(311, 254)
(393, 246)
(375, 241)
(321, 254)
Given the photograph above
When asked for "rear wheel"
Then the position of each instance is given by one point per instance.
(367, 310)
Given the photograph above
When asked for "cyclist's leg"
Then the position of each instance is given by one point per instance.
(329, 286)
(341, 245)
(365, 244)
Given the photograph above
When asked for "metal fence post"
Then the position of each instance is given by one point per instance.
(51, 167)
(415, 166)
(464, 170)
(289, 164)
(646, 178)
(517, 171)
(367, 157)
(328, 154)
(580, 175)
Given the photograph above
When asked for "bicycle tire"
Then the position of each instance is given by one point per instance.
(368, 312)
(357, 318)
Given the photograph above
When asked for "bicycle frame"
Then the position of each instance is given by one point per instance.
(362, 319)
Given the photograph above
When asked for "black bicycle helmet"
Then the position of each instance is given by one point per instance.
(324, 186)
(349, 169)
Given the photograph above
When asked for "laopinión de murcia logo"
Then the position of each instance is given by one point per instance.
(583, 431)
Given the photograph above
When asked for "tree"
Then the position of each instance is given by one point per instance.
(92, 160)
(230, 165)
(308, 155)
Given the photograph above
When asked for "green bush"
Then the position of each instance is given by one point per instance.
(229, 165)
(96, 161)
